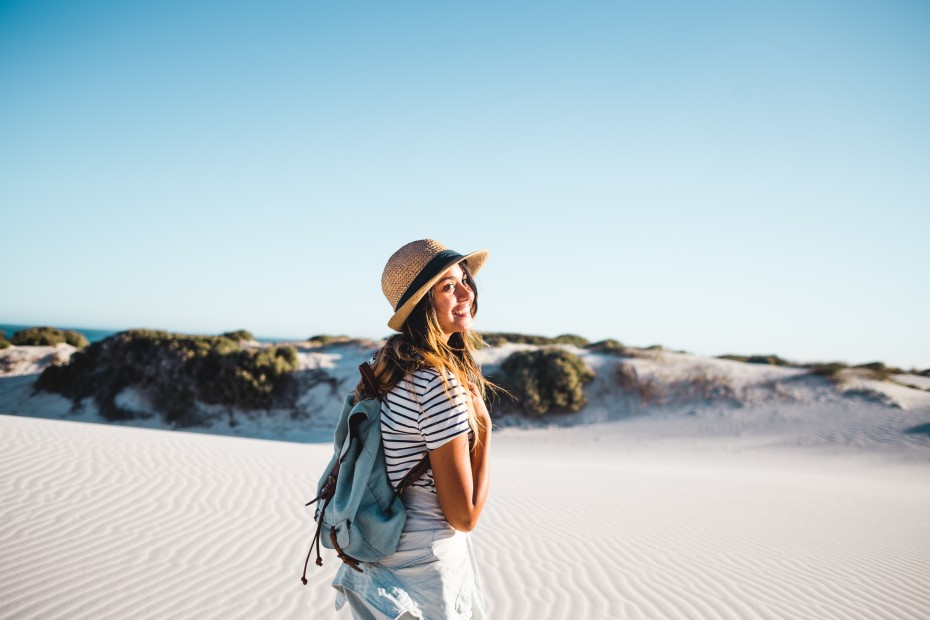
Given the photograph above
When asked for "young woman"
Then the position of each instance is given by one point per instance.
(434, 403)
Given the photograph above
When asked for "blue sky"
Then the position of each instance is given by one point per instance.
(717, 177)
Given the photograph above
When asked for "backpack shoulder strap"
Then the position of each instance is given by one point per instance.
(368, 378)
(414, 474)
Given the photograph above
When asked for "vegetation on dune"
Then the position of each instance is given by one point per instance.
(828, 370)
(240, 335)
(178, 375)
(4, 343)
(545, 380)
(321, 340)
(879, 370)
(175, 372)
(48, 337)
(833, 371)
(771, 359)
(609, 346)
(496, 339)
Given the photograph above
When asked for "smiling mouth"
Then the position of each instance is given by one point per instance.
(462, 312)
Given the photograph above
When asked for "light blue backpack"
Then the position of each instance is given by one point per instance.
(360, 514)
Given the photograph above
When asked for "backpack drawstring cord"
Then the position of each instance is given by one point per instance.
(325, 495)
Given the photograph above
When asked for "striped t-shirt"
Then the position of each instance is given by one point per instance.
(418, 415)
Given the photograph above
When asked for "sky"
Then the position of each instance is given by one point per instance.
(715, 177)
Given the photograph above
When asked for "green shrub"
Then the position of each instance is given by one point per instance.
(772, 360)
(609, 346)
(828, 370)
(4, 343)
(873, 370)
(175, 372)
(48, 337)
(321, 340)
(240, 335)
(545, 380)
(495, 339)
(572, 339)
(878, 370)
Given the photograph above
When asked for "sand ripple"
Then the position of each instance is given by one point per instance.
(109, 522)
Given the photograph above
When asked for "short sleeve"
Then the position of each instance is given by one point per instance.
(442, 418)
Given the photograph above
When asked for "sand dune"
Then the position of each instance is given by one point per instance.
(111, 522)
(789, 497)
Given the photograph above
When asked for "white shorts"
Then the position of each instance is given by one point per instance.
(432, 576)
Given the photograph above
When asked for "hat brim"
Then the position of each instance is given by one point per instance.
(475, 261)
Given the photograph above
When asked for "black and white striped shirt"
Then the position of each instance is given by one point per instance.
(418, 415)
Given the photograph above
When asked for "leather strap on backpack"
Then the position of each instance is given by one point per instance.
(323, 498)
(413, 475)
(368, 378)
(348, 559)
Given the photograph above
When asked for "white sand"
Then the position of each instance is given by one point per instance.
(101, 521)
(724, 490)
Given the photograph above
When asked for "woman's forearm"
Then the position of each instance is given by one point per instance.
(480, 468)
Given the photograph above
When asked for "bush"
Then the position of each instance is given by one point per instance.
(321, 340)
(609, 346)
(4, 343)
(175, 372)
(572, 339)
(828, 370)
(545, 380)
(772, 359)
(48, 337)
(495, 339)
(240, 335)
(878, 370)
(873, 370)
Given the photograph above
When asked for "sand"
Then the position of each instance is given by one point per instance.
(102, 521)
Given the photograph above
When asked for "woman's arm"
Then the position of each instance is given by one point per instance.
(461, 475)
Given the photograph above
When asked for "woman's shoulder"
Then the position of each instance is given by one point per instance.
(428, 379)
(430, 373)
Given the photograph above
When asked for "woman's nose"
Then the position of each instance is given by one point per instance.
(464, 292)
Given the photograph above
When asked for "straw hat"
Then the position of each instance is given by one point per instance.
(413, 269)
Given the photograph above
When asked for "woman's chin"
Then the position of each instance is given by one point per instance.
(459, 325)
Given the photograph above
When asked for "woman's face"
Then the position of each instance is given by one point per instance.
(452, 299)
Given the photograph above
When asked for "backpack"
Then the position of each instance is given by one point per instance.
(359, 513)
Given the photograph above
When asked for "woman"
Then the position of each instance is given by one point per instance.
(433, 403)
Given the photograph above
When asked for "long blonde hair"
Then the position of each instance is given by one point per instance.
(422, 344)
